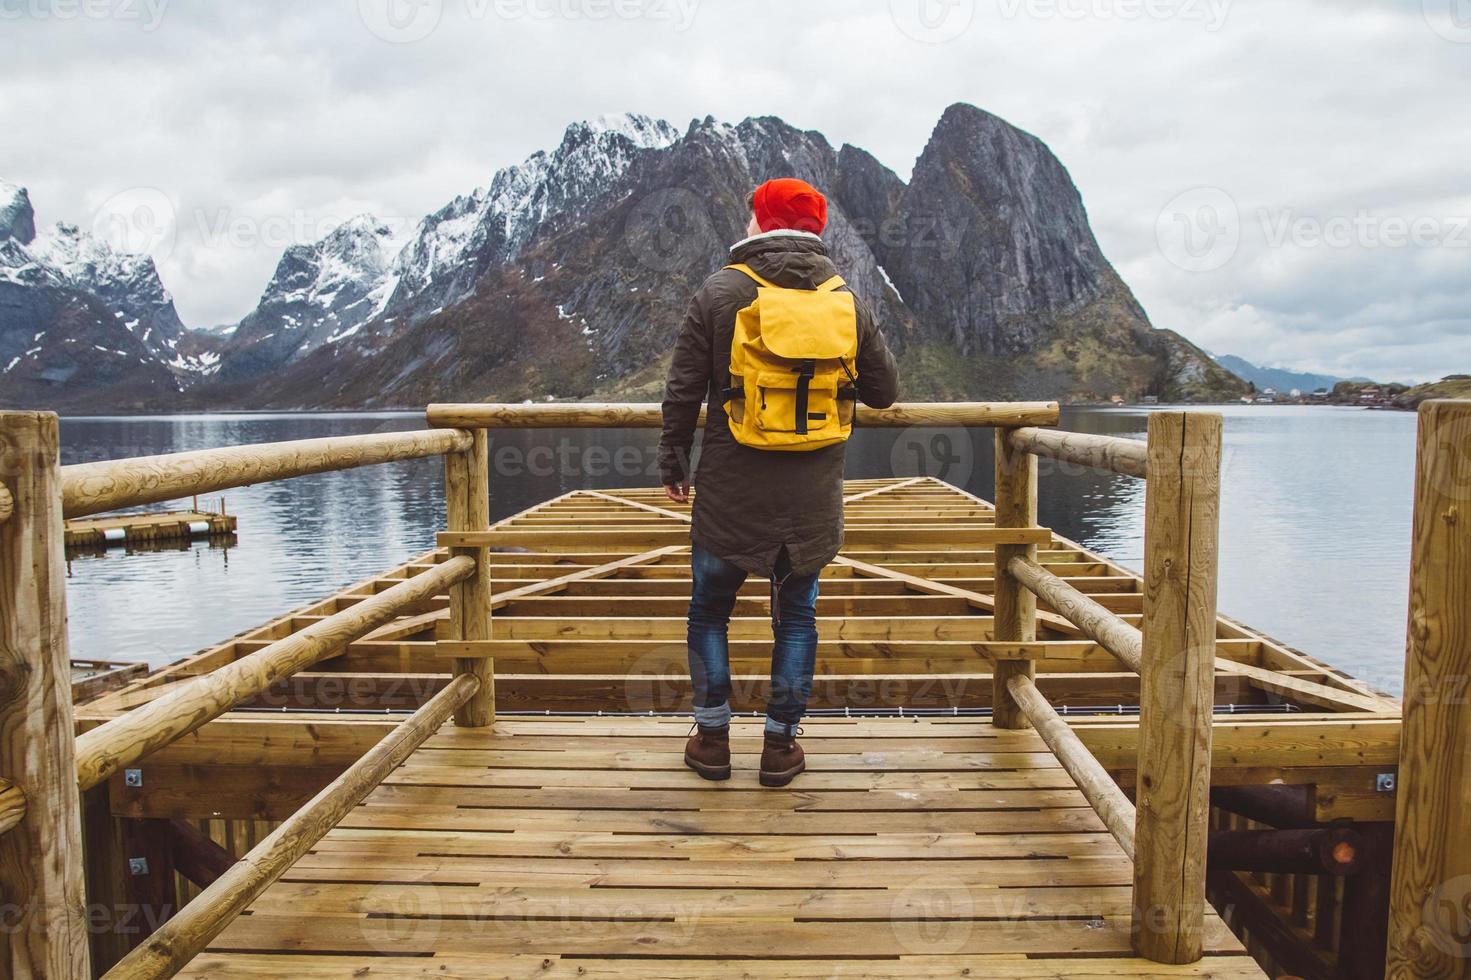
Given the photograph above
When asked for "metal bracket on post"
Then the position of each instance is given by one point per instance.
(1385, 782)
(132, 777)
(138, 866)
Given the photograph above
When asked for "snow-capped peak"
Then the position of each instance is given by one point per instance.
(86, 259)
(643, 131)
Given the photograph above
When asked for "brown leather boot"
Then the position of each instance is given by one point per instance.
(781, 760)
(708, 752)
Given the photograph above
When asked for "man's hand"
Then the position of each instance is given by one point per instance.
(679, 492)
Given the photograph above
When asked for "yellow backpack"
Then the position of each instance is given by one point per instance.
(793, 366)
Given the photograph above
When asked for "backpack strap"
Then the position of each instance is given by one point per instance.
(831, 285)
(742, 267)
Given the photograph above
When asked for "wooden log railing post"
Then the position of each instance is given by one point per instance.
(1176, 684)
(467, 507)
(41, 878)
(1430, 892)
(1015, 612)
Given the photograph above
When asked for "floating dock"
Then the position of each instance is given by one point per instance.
(1025, 760)
(92, 678)
(130, 529)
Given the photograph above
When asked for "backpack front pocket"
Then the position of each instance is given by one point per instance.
(780, 403)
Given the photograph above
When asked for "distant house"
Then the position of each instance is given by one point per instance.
(1151, 399)
(1117, 400)
(1320, 394)
(1370, 394)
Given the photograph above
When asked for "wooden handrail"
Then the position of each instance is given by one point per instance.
(12, 805)
(650, 416)
(177, 941)
(127, 738)
(1127, 457)
(1102, 793)
(92, 488)
(1101, 625)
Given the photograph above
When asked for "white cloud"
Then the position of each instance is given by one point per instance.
(273, 120)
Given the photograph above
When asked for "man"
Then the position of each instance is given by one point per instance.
(761, 512)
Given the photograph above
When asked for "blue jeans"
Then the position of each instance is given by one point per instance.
(793, 657)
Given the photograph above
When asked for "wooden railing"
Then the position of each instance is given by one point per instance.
(43, 765)
(1165, 829)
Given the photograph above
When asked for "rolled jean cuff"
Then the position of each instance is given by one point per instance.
(775, 727)
(714, 717)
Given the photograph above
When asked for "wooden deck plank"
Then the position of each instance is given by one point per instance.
(933, 847)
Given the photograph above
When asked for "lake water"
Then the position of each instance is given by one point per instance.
(1315, 523)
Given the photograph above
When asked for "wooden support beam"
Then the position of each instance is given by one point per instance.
(150, 893)
(503, 599)
(1281, 806)
(91, 488)
(1015, 606)
(41, 877)
(1338, 851)
(467, 508)
(171, 947)
(1363, 942)
(1431, 890)
(1103, 626)
(1177, 684)
(1127, 457)
(640, 505)
(1103, 794)
(947, 536)
(127, 738)
(931, 587)
(196, 856)
(651, 416)
(875, 491)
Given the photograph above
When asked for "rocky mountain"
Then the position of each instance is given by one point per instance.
(84, 325)
(567, 275)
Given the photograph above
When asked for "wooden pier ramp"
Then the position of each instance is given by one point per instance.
(582, 847)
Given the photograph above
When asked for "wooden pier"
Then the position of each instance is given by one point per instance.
(1024, 760)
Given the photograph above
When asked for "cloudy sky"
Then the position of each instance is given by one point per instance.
(1287, 180)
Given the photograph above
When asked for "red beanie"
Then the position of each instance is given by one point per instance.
(790, 203)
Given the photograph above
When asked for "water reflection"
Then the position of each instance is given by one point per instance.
(1314, 544)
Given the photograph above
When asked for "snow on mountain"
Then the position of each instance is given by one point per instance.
(126, 283)
(80, 319)
(320, 293)
(454, 247)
